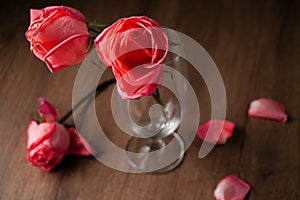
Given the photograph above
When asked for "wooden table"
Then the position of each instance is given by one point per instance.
(255, 45)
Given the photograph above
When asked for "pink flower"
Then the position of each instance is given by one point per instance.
(269, 109)
(58, 35)
(47, 112)
(134, 47)
(47, 143)
(231, 188)
(220, 131)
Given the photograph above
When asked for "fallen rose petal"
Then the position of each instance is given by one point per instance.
(214, 136)
(231, 188)
(78, 144)
(269, 109)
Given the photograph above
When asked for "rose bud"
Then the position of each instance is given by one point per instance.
(47, 112)
(134, 47)
(47, 143)
(58, 35)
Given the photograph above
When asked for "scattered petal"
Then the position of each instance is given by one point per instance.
(231, 188)
(219, 131)
(269, 109)
(78, 145)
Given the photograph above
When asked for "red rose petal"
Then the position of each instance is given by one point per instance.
(78, 145)
(269, 109)
(69, 52)
(216, 126)
(231, 188)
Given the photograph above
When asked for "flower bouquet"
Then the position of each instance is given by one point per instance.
(133, 48)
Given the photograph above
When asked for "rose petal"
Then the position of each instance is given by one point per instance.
(69, 52)
(60, 140)
(35, 14)
(231, 188)
(139, 81)
(78, 144)
(45, 158)
(37, 133)
(269, 109)
(219, 131)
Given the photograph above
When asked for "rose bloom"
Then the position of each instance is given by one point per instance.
(47, 143)
(58, 35)
(134, 47)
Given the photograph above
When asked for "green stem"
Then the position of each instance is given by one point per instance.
(157, 98)
(96, 28)
(94, 24)
(101, 87)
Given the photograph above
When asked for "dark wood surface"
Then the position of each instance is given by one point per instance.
(255, 45)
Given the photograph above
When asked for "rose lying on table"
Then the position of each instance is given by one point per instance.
(48, 141)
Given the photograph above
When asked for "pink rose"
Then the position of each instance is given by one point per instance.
(58, 35)
(47, 143)
(134, 47)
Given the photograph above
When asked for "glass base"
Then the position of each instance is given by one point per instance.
(146, 145)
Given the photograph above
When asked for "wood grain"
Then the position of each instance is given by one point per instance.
(256, 47)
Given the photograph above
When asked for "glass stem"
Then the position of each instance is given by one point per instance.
(156, 96)
(155, 143)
